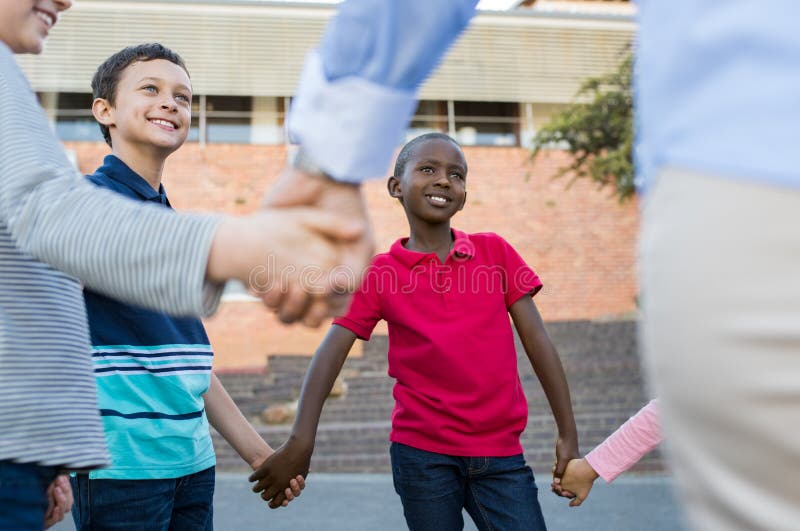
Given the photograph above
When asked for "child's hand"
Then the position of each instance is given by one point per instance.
(59, 500)
(578, 479)
(566, 451)
(295, 487)
(288, 465)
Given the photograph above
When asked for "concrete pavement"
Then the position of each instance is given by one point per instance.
(355, 502)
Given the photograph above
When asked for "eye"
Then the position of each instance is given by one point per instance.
(184, 98)
(457, 175)
(150, 88)
(426, 169)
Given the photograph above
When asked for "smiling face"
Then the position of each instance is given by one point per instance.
(433, 186)
(151, 108)
(25, 24)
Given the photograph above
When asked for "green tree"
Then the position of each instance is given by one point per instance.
(599, 133)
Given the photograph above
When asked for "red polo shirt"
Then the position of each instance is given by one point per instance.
(451, 346)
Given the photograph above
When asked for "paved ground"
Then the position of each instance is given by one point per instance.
(355, 502)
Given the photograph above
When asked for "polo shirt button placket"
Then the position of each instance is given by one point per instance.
(441, 284)
(433, 277)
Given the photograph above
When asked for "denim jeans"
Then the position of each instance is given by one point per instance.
(23, 495)
(499, 493)
(180, 504)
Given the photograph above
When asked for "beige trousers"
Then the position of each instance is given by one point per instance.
(721, 336)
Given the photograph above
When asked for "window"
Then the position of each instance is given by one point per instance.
(228, 119)
(268, 120)
(260, 120)
(471, 123)
(241, 120)
(483, 123)
(431, 116)
(74, 120)
(194, 128)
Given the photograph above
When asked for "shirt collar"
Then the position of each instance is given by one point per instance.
(117, 170)
(463, 248)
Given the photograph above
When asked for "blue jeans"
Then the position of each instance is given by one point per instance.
(23, 495)
(180, 504)
(499, 493)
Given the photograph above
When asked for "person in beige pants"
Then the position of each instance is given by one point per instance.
(721, 337)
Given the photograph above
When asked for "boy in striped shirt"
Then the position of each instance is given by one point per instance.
(156, 391)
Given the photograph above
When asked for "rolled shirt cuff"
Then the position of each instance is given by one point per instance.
(350, 127)
(603, 469)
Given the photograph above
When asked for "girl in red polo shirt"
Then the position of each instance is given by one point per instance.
(459, 404)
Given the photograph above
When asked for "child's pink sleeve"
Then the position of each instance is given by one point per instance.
(623, 448)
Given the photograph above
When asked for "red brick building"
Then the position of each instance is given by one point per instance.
(579, 239)
(499, 83)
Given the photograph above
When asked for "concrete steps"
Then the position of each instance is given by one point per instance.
(599, 358)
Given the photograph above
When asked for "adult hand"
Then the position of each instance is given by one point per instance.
(290, 461)
(297, 188)
(285, 256)
(59, 500)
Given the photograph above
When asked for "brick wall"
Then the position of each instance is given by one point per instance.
(579, 239)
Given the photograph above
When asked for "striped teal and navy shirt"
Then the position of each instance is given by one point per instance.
(151, 371)
(50, 214)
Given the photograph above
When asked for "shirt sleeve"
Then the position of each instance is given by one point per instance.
(626, 446)
(357, 91)
(139, 253)
(365, 308)
(521, 279)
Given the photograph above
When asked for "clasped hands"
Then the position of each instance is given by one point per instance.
(289, 463)
(303, 253)
(285, 466)
(573, 476)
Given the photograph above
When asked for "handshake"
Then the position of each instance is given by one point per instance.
(303, 253)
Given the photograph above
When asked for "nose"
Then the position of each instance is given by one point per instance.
(442, 180)
(169, 105)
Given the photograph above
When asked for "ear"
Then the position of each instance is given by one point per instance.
(103, 111)
(463, 202)
(393, 185)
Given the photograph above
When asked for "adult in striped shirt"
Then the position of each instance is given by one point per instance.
(56, 228)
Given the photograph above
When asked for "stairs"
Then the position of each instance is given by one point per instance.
(599, 358)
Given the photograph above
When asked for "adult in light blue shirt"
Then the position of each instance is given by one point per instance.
(717, 94)
(719, 89)
(356, 95)
(358, 91)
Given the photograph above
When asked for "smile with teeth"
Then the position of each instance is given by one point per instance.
(438, 199)
(163, 123)
(47, 18)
